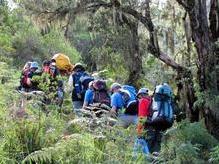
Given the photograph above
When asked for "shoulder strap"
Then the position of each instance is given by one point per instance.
(162, 109)
(150, 107)
(73, 79)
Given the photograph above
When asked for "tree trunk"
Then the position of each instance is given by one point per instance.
(186, 95)
(135, 58)
(206, 56)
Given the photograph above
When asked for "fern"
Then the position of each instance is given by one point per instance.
(187, 141)
(214, 155)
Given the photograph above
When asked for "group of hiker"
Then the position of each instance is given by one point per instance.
(151, 114)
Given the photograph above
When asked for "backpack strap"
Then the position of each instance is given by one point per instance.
(73, 79)
(161, 107)
(150, 107)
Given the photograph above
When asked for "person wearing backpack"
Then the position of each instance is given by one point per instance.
(45, 66)
(77, 84)
(28, 74)
(124, 105)
(144, 105)
(24, 75)
(88, 98)
(55, 84)
(160, 116)
(101, 95)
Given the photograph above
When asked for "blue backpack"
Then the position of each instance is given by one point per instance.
(80, 81)
(85, 80)
(162, 117)
(129, 95)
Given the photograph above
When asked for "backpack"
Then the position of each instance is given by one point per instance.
(46, 69)
(162, 117)
(63, 62)
(79, 84)
(85, 80)
(24, 78)
(100, 92)
(53, 70)
(129, 95)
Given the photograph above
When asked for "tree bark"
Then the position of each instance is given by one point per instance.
(135, 57)
(206, 60)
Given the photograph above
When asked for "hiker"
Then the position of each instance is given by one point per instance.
(143, 109)
(79, 81)
(122, 98)
(26, 79)
(46, 64)
(97, 93)
(63, 64)
(53, 70)
(88, 98)
(55, 84)
(26, 66)
(24, 74)
(155, 115)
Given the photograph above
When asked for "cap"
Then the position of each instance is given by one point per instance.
(79, 66)
(90, 84)
(115, 85)
(143, 91)
(34, 65)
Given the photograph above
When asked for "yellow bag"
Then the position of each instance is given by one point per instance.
(62, 62)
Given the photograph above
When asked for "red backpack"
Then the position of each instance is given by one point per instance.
(46, 69)
(100, 92)
(24, 78)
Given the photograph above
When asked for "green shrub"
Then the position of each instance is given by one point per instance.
(214, 155)
(187, 141)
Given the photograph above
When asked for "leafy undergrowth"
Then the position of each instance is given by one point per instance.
(31, 134)
(188, 143)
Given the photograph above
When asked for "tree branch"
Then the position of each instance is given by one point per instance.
(145, 20)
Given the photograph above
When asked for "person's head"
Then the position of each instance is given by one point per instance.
(115, 87)
(34, 66)
(90, 85)
(27, 65)
(46, 63)
(53, 61)
(143, 92)
(78, 67)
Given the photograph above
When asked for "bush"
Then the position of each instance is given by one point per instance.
(214, 155)
(188, 142)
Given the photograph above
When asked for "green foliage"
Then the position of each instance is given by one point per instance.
(54, 42)
(107, 59)
(214, 155)
(22, 41)
(188, 142)
(30, 45)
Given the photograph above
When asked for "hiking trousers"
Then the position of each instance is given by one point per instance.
(77, 106)
(125, 120)
(153, 139)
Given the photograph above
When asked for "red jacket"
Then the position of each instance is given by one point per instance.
(143, 107)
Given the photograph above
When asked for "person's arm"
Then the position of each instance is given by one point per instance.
(113, 110)
(114, 105)
(88, 98)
